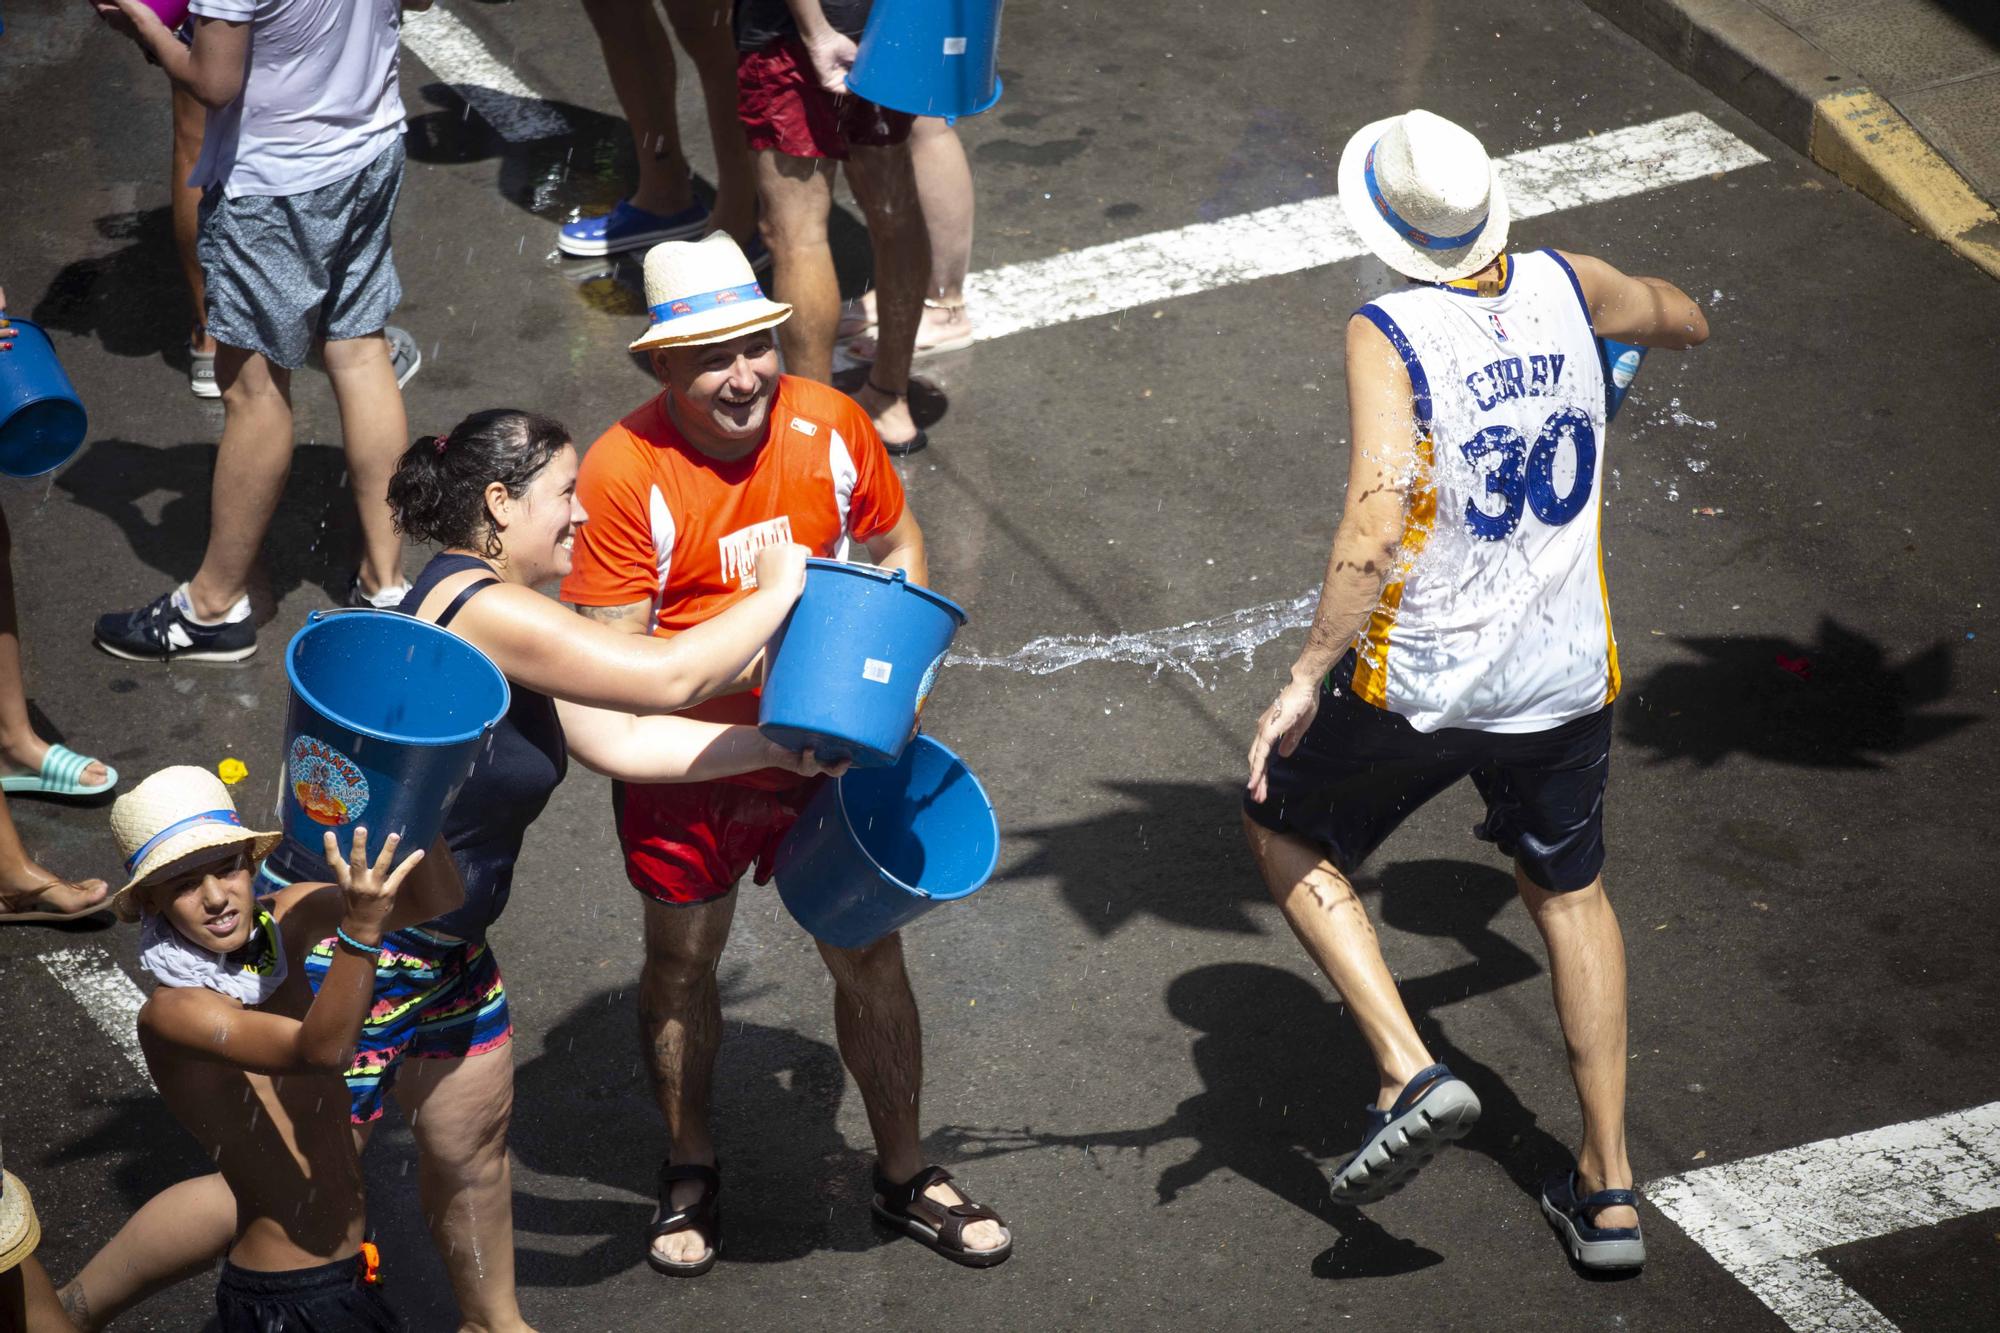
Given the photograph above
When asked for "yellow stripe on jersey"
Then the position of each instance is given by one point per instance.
(1371, 658)
(1612, 678)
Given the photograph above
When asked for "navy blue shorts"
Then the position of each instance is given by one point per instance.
(1360, 771)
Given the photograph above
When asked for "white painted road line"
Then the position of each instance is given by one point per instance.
(455, 54)
(95, 981)
(1764, 1218)
(1179, 647)
(1288, 238)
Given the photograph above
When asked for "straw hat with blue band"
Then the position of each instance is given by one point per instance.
(173, 815)
(704, 292)
(1421, 194)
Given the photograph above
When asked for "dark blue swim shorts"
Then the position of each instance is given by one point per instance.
(1360, 771)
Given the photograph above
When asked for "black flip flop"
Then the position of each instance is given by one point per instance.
(915, 444)
(703, 1217)
(936, 1226)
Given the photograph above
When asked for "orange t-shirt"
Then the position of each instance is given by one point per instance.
(669, 523)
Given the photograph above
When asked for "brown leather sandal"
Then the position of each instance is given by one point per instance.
(703, 1217)
(935, 1225)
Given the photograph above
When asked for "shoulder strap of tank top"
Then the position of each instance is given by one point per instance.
(464, 596)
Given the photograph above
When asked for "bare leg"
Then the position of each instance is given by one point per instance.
(640, 61)
(28, 1301)
(179, 1232)
(374, 432)
(944, 191)
(886, 188)
(1587, 968)
(1323, 911)
(705, 33)
(20, 748)
(459, 1110)
(881, 1042)
(190, 119)
(797, 194)
(680, 1029)
(250, 471)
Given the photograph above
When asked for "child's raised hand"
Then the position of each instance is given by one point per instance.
(369, 891)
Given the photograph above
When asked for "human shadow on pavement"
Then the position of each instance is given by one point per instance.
(1167, 849)
(791, 1183)
(159, 498)
(131, 300)
(1839, 702)
(1285, 1074)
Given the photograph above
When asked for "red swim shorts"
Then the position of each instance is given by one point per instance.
(782, 106)
(687, 843)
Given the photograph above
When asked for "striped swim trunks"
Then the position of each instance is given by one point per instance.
(437, 997)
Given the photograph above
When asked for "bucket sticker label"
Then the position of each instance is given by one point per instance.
(954, 46)
(329, 786)
(877, 670)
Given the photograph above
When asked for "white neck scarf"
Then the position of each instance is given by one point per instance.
(252, 974)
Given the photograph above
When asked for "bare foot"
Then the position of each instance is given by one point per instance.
(1621, 1216)
(33, 889)
(689, 1246)
(25, 760)
(942, 326)
(981, 1235)
(890, 413)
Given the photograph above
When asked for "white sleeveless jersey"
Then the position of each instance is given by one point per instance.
(1496, 616)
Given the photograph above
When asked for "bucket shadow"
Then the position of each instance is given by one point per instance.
(159, 498)
(1280, 1120)
(132, 301)
(793, 1184)
(1837, 702)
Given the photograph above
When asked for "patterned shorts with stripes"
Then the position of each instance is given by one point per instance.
(436, 998)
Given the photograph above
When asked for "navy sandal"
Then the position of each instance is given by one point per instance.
(1574, 1218)
(1433, 1109)
(703, 1217)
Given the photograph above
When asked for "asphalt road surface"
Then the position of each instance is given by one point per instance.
(1126, 1051)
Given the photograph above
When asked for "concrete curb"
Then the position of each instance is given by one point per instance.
(1818, 106)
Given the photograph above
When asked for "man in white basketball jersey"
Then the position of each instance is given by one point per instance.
(1464, 631)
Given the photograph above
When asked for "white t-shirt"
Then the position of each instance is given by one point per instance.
(320, 99)
(1498, 618)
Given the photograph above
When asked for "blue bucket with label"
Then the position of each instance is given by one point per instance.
(930, 57)
(1621, 366)
(876, 848)
(388, 714)
(857, 660)
(42, 421)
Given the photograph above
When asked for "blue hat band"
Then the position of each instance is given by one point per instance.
(666, 312)
(228, 817)
(1413, 234)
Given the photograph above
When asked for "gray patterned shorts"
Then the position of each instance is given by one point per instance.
(286, 271)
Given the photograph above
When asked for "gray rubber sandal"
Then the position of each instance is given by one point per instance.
(1574, 1218)
(1433, 1109)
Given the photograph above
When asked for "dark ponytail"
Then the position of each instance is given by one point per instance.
(439, 491)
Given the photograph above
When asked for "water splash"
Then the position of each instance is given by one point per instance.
(1178, 647)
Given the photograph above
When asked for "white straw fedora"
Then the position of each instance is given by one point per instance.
(20, 1229)
(704, 292)
(1422, 194)
(169, 817)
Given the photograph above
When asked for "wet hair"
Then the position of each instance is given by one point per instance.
(439, 491)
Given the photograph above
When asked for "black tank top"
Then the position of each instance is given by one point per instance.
(512, 777)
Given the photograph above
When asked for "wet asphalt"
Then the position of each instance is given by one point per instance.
(1127, 1053)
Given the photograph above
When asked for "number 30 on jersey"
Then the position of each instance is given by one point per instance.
(1523, 476)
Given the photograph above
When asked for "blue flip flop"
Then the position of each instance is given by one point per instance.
(1433, 1109)
(1573, 1216)
(61, 775)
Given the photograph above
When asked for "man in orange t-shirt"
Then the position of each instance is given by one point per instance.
(680, 495)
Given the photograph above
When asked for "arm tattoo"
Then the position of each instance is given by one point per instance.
(615, 615)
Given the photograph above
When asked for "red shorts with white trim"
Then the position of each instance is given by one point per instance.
(782, 107)
(687, 843)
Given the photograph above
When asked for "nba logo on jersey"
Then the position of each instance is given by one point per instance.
(1499, 329)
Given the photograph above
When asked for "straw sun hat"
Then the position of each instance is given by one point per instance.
(169, 817)
(1422, 194)
(704, 292)
(20, 1230)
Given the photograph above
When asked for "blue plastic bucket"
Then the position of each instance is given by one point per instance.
(42, 421)
(878, 847)
(1621, 366)
(930, 57)
(388, 713)
(857, 659)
